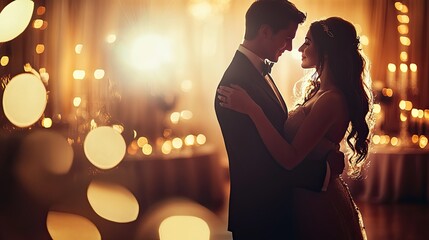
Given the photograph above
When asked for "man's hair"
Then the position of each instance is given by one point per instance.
(278, 14)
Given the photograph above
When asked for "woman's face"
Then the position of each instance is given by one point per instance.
(310, 57)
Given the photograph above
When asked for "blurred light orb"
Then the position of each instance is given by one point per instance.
(141, 141)
(79, 74)
(184, 228)
(14, 19)
(391, 67)
(166, 147)
(104, 147)
(4, 60)
(376, 139)
(177, 143)
(403, 29)
(403, 67)
(40, 48)
(403, 18)
(403, 56)
(24, 100)
(413, 67)
(67, 226)
(38, 23)
(78, 48)
(415, 138)
(190, 140)
(111, 38)
(175, 117)
(47, 122)
(186, 114)
(112, 202)
(99, 74)
(147, 149)
(388, 92)
(77, 101)
(201, 139)
(405, 41)
(423, 141)
(41, 10)
(149, 52)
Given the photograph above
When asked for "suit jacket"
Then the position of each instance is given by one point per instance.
(260, 190)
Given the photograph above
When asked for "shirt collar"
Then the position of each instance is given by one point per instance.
(254, 59)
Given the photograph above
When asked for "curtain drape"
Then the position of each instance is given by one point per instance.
(203, 36)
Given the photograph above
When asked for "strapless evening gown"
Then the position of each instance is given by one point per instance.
(324, 215)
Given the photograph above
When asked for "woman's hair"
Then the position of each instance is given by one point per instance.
(337, 43)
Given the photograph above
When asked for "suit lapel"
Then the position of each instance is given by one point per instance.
(260, 81)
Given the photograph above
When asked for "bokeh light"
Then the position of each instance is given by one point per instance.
(113, 202)
(190, 140)
(4, 60)
(24, 100)
(77, 101)
(79, 74)
(47, 122)
(67, 226)
(78, 48)
(111, 38)
(41, 10)
(99, 74)
(201, 139)
(38, 23)
(184, 228)
(20, 11)
(40, 48)
(149, 52)
(147, 149)
(104, 147)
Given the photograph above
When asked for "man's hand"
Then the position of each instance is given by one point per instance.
(335, 159)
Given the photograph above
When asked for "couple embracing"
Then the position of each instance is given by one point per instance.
(285, 166)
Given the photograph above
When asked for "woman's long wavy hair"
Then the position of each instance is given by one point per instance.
(338, 44)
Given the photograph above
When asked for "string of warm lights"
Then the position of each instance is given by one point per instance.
(414, 122)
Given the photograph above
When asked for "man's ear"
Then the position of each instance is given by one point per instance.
(265, 30)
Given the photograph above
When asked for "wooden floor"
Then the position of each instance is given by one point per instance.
(401, 221)
(404, 221)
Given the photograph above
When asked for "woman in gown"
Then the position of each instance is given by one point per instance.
(336, 105)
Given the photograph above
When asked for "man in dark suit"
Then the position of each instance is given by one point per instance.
(261, 190)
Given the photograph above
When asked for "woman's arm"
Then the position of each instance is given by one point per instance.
(312, 130)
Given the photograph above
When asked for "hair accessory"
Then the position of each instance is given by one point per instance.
(357, 43)
(326, 29)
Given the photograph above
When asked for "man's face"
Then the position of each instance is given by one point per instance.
(279, 42)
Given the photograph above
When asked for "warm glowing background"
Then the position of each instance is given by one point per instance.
(133, 80)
